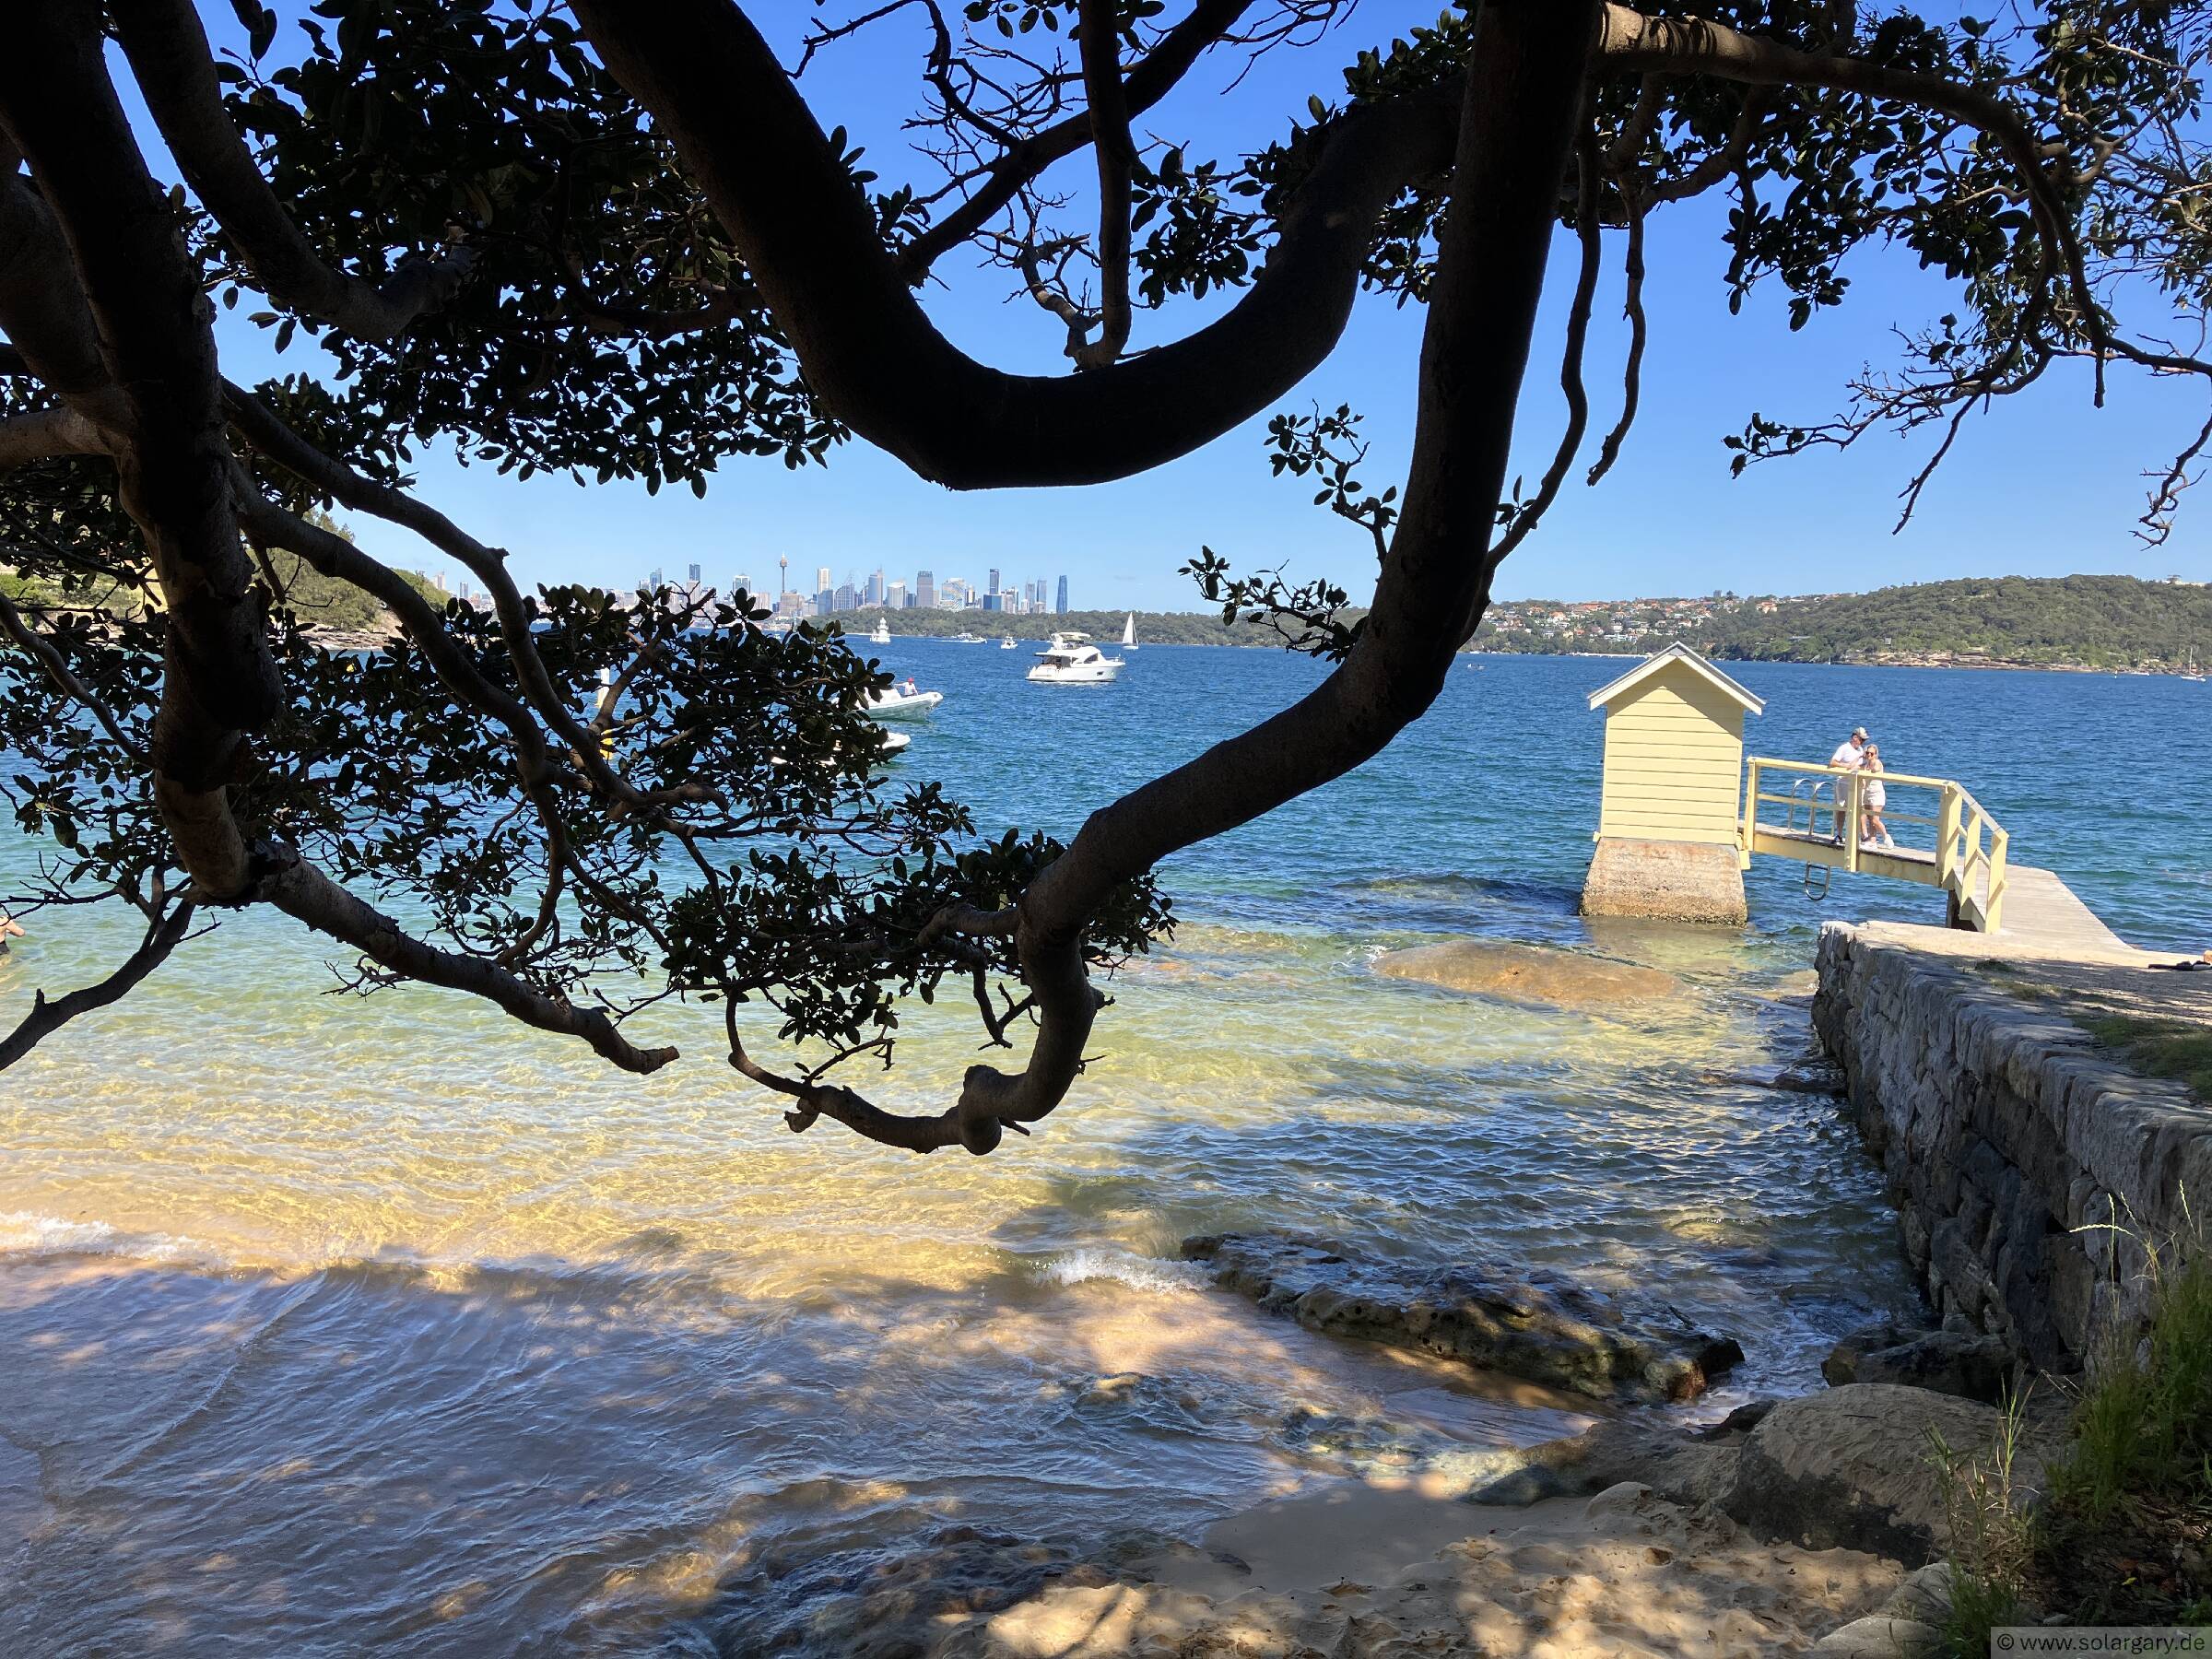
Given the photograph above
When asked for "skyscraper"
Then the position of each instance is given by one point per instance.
(1062, 607)
(894, 595)
(876, 588)
(994, 587)
(694, 575)
(925, 590)
(823, 582)
(652, 581)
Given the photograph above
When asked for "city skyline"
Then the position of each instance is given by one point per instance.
(1033, 596)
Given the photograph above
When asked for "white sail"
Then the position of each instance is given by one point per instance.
(1129, 632)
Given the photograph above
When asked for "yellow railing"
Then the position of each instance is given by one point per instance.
(1967, 858)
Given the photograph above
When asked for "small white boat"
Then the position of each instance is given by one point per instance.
(882, 636)
(966, 638)
(1072, 660)
(1129, 633)
(893, 742)
(896, 703)
(1006, 643)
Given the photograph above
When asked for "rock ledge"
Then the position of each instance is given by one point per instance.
(1539, 1325)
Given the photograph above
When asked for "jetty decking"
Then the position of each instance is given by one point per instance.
(1829, 817)
(2005, 908)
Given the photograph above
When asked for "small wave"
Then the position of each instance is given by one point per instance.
(27, 1233)
(1139, 1273)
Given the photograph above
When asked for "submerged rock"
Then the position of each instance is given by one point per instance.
(1853, 1468)
(1540, 1325)
(1528, 974)
(1953, 1362)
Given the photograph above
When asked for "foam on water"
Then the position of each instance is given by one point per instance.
(26, 1234)
(1149, 1274)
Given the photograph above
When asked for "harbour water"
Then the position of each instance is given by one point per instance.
(329, 1325)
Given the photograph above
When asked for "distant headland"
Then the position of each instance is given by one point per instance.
(2105, 623)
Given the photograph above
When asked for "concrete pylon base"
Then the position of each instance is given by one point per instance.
(1668, 881)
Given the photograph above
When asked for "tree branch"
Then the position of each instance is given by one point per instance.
(172, 63)
(332, 476)
(1519, 117)
(810, 239)
(1152, 79)
(173, 467)
(59, 673)
(1631, 374)
(1100, 29)
(1589, 237)
(46, 1017)
(43, 434)
(304, 893)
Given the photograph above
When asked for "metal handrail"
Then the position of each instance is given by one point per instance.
(1972, 849)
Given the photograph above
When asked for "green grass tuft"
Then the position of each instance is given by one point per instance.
(2156, 1048)
(2146, 1427)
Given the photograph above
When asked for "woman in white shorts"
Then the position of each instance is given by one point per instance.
(1873, 796)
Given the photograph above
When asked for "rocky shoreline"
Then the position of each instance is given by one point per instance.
(1812, 1525)
(1808, 1525)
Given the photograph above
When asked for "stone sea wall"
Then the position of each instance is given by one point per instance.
(2027, 1168)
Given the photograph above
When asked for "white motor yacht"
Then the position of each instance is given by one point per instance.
(966, 638)
(1072, 660)
(1006, 643)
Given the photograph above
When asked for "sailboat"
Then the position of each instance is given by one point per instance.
(1129, 634)
(2190, 671)
(882, 636)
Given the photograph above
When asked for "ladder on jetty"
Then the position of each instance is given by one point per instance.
(1822, 823)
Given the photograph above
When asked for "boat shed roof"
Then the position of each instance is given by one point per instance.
(1677, 653)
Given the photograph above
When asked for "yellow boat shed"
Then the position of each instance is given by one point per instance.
(1669, 820)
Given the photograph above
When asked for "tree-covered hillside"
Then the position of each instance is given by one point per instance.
(2067, 621)
(2091, 621)
(2113, 622)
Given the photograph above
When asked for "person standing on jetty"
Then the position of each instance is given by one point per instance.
(1851, 754)
(1873, 798)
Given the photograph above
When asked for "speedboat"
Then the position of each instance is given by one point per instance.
(1072, 660)
(896, 703)
(1006, 643)
(882, 636)
(966, 638)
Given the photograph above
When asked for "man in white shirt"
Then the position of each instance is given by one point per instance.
(1851, 754)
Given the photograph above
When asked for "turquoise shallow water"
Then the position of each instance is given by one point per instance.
(326, 1325)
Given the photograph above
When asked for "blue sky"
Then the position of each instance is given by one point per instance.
(2043, 486)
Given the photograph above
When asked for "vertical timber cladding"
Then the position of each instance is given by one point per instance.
(1668, 811)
